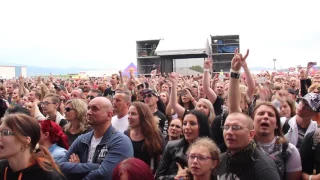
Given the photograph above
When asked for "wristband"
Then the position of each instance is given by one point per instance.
(310, 177)
(231, 70)
(234, 75)
(206, 70)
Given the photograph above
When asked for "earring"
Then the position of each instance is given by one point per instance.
(23, 147)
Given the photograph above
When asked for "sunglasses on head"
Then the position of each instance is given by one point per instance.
(90, 97)
(68, 109)
(147, 95)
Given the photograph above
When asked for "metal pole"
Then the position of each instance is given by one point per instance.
(274, 64)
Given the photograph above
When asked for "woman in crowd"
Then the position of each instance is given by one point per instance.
(203, 160)
(195, 124)
(53, 138)
(287, 111)
(132, 169)
(186, 99)
(43, 89)
(175, 130)
(76, 115)
(19, 135)
(203, 104)
(145, 136)
(164, 96)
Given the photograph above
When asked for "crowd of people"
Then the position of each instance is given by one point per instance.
(167, 126)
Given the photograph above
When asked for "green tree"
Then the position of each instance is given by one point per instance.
(197, 68)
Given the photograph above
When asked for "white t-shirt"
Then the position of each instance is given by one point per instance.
(120, 124)
(93, 145)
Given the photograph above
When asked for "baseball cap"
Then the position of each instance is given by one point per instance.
(313, 100)
(149, 91)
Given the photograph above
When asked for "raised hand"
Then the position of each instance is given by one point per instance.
(173, 77)
(238, 60)
(208, 63)
(216, 78)
(182, 172)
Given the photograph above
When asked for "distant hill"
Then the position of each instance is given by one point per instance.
(35, 71)
(43, 71)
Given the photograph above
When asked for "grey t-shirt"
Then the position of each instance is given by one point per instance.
(289, 161)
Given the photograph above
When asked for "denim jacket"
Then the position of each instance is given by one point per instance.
(57, 152)
(112, 149)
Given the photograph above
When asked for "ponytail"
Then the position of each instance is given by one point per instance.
(62, 140)
(44, 159)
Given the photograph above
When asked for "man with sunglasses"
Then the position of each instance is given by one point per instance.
(243, 160)
(152, 99)
(93, 93)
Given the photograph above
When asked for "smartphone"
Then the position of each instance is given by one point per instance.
(261, 80)
(313, 63)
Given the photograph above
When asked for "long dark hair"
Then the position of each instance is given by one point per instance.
(203, 127)
(190, 104)
(149, 129)
(204, 130)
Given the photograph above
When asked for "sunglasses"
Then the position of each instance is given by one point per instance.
(147, 95)
(90, 97)
(68, 109)
(63, 100)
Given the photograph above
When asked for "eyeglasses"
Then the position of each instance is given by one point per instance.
(46, 103)
(90, 97)
(233, 127)
(199, 157)
(147, 95)
(68, 109)
(6, 132)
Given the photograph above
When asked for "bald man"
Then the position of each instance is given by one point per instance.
(94, 155)
(243, 160)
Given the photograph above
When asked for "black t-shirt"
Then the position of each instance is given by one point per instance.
(73, 137)
(162, 122)
(32, 172)
(109, 92)
(141, 153)
(217, 105)
(217, 131)
(243, 168)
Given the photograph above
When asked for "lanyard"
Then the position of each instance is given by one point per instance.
(6, 171)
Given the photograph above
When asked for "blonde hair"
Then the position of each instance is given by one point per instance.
(313, 87)
(80, 106)
(212, 114)
(210, 145)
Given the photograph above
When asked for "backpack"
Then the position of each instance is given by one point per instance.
(286, 126)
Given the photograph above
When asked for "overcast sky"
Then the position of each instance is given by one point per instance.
(102, 34)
